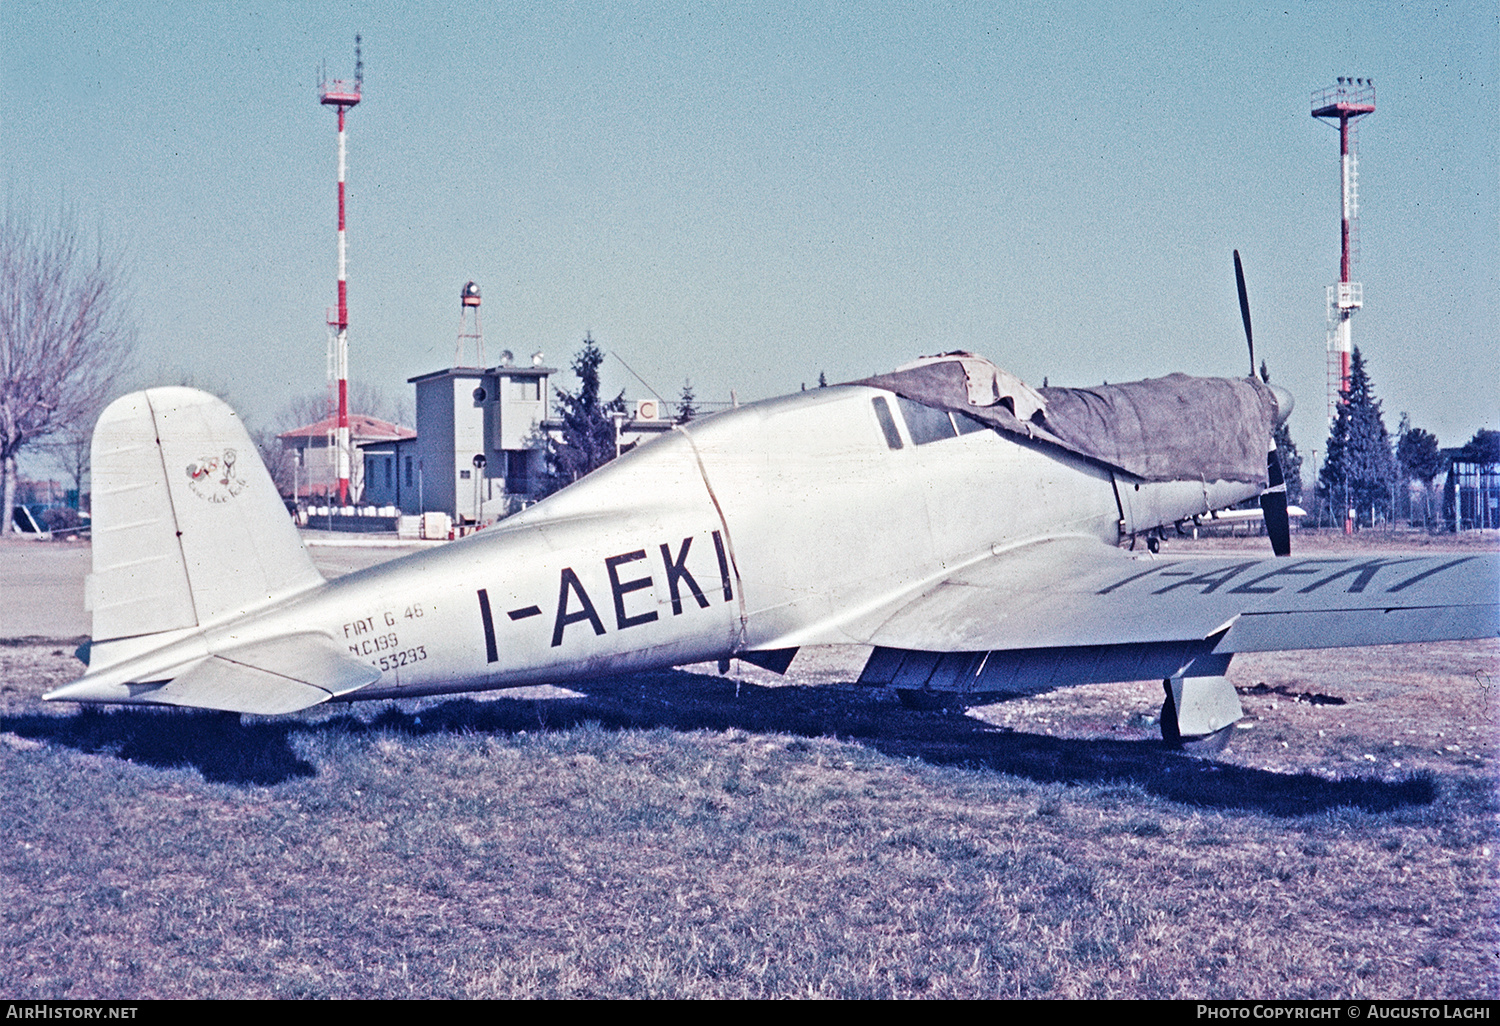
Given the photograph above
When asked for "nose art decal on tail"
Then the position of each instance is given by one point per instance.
(213, 478)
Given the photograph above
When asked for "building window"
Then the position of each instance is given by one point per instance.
(517, 465)
(388, 472)
(408, 471)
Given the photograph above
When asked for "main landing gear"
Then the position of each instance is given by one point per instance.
(1198, 714)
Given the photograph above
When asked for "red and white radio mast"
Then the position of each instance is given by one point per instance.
(1345, 103)
(343, 96)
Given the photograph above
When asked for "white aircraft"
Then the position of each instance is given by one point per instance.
(1242, 516)
(965, 526)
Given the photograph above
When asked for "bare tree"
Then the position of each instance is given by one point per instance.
(370, 400)
(66, 332)
(69, 448)
(279, 460)
(312, 407)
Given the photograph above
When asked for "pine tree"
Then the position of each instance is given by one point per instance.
(1483, 448)
(687, 405)
(1360, 470)
(1464, 511)
(588, 434)
(1419, 455)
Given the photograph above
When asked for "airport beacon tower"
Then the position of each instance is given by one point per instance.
(469, 299)
(343, 96)
(1344, 103)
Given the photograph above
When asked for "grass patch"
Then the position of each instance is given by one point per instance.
(662, 837)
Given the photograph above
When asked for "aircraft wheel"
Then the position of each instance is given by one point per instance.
(1209, 746)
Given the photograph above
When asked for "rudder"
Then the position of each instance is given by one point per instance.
(188, 526)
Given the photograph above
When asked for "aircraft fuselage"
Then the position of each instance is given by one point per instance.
(731, 534)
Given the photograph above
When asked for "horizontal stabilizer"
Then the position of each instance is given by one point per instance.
(218, 683)
(279, 675)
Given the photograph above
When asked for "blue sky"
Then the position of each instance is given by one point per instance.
(747, 196)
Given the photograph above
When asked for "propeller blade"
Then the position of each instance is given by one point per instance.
(1273, 507)
(1273, 499)
(1239, 279)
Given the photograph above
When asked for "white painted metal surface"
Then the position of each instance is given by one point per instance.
(815, 518)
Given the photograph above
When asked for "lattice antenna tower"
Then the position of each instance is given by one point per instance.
(342, 95)
(1343, 104)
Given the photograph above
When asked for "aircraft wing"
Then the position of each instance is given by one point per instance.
(1070, 611)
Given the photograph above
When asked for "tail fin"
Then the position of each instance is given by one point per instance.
(188, 526)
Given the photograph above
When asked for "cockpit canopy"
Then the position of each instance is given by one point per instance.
(1176, 428)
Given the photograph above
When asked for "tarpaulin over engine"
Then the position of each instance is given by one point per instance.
(1176, 428)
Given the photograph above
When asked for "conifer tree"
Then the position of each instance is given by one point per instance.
(1483, 448)
(1360, 470)
(687, 403)
(588, 435)
(1464, 512)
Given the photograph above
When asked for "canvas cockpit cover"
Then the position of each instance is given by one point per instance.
(1176, 428)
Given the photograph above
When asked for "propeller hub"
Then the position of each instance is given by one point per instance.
(1284, 403)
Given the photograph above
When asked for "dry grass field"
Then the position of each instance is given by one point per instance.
(683, 834)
